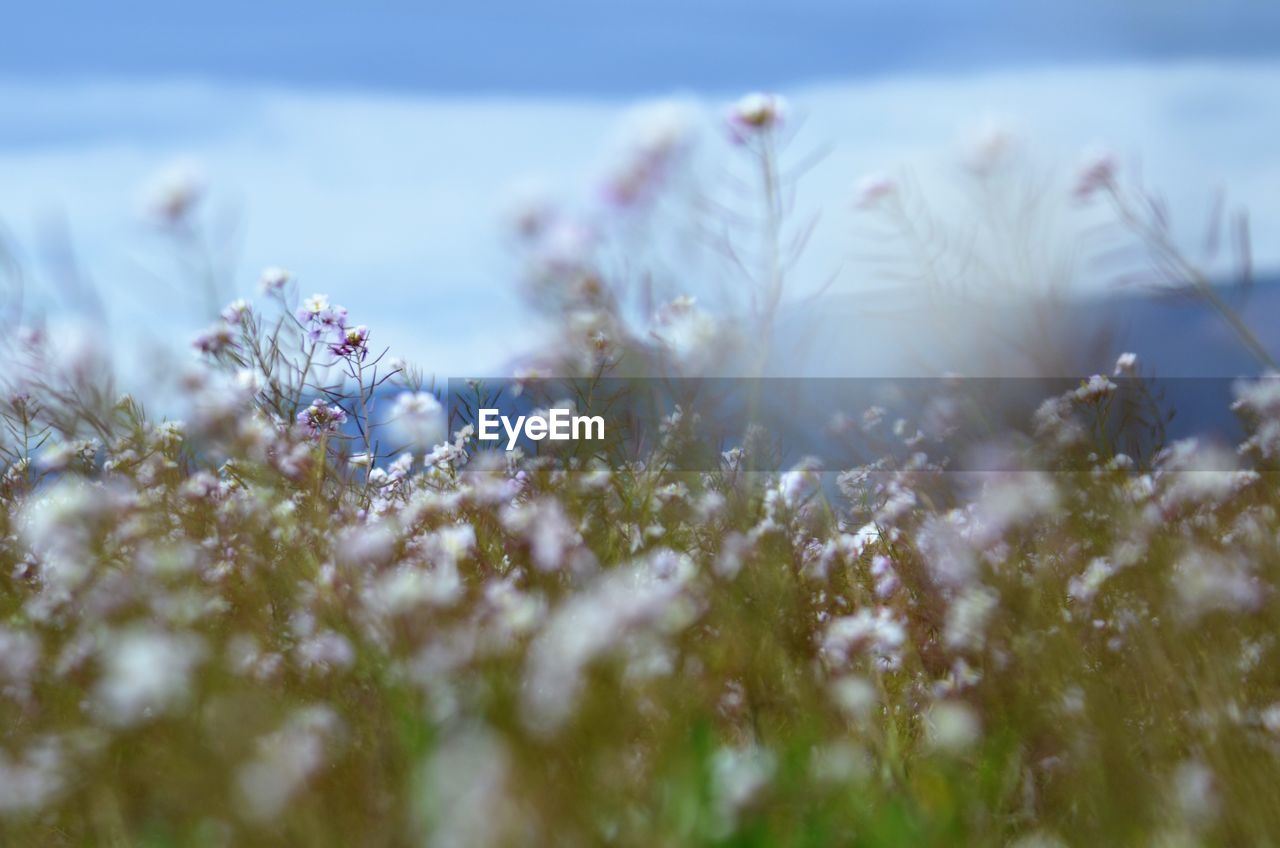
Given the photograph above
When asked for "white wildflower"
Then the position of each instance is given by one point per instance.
(988, 147)
(1207, 581)
(284, 761)
(873, 190)
(1095, 389)
(689, 333)
(1194, 792)
(1126, 365)
(648, 594)
(856, 696)
(172, 193)
(951, 727)
(755, 113)
(1085, 586)
(273, 279)
(876, 632)
(738, 775)
(468, 792)
(946, 553)
(32, 779)
(420, 419)
(967, 617)
(146, 672)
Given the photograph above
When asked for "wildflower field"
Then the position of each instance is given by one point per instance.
(310, 607)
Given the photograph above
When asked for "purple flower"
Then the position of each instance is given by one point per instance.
(273, 279)
(236, 311)
(352, 343)
(215, 339)
(312, 307)
(325, 323)
(319, 419)
(632, 184)
(335, 318)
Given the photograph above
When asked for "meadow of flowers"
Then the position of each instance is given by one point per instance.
(314, 611)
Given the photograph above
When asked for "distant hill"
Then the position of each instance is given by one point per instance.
(1180, 340)
(1176, 335)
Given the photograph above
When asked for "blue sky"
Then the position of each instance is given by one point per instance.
(371, 149)
(608, 47)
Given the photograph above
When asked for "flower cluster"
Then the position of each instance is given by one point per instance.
(327, 324)
(320, 419)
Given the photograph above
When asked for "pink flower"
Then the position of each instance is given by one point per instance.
(1096, 174)
(872, 189)
(657, 136)
(632, 184)
(319, 419)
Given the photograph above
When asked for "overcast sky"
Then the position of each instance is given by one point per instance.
(370, 150)
(619, 47)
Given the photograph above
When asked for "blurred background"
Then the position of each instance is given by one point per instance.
(374, 149)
